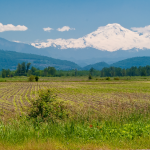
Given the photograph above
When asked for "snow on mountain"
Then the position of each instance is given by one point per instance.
(111, 37)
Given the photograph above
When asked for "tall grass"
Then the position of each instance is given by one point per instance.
(115, 124)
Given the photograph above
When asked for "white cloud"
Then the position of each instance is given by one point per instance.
(65, 28)
(10, 27)
(142, 30)
(17, 41)
(48, 29)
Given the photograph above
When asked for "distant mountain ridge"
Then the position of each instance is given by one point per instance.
(130, 62)
(10, 59)
(82, 57)
(110, 43)
(124, 64)
(97, 66)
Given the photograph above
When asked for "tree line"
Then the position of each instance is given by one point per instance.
(133, 71)
(24, 69)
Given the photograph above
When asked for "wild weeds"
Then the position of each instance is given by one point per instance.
(111, 122)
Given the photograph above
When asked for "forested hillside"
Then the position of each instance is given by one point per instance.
(130, 62)
(97, 66)
(10, 59)
(124, 64)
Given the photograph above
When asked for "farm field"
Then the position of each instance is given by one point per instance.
(120, 109)
(16, 96)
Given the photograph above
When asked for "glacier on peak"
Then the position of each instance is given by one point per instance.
(111, 37)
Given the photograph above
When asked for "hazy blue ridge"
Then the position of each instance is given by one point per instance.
(97, 66)
(10, 59)
(130, 62)
(82, 57)
(68, 59)
(124, 64)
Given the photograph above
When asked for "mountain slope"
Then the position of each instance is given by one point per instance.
(10, 59)
(81, 57)
(136, 61)
(126, 63)
(110, 43)
(97, 66)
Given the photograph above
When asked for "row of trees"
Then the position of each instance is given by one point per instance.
(133, 71)
(24, 69)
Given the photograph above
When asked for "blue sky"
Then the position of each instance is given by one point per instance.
(83, 15)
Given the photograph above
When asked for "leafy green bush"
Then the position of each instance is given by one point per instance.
(116, 78)
(31, 78)
(90, 76)
(46, 107)
(36, 78)
(108, 78)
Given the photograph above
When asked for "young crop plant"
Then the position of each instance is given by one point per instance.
(26, 95)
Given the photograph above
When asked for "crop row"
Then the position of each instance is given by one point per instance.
(16, 97)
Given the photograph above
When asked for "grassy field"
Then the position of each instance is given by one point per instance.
(104, 114)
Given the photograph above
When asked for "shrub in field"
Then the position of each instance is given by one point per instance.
(108, 78)
(31, 78)
(90, 76)
(116, 78)
(36, 78)
(46, 107)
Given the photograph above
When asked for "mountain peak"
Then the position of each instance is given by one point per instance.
(113, 25)
(111, 37)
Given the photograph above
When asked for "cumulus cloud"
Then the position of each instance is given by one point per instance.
(142, 30)
(10, 27)
(48, 29)
(65, 28)
(17, 41)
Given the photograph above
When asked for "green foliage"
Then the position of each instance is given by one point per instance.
(91, 71)
(46, 107)
(28, 66)
(36, 78)
(31, 78)
(116, 78)
(133, 135)
(6, 73)
(49, 71)
(90, 76)
(3, 74)
(108, 78)
(133, 71)
(22, 69)
(143, 72)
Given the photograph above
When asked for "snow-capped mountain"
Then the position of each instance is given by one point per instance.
(111, 37)
(110, 43)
